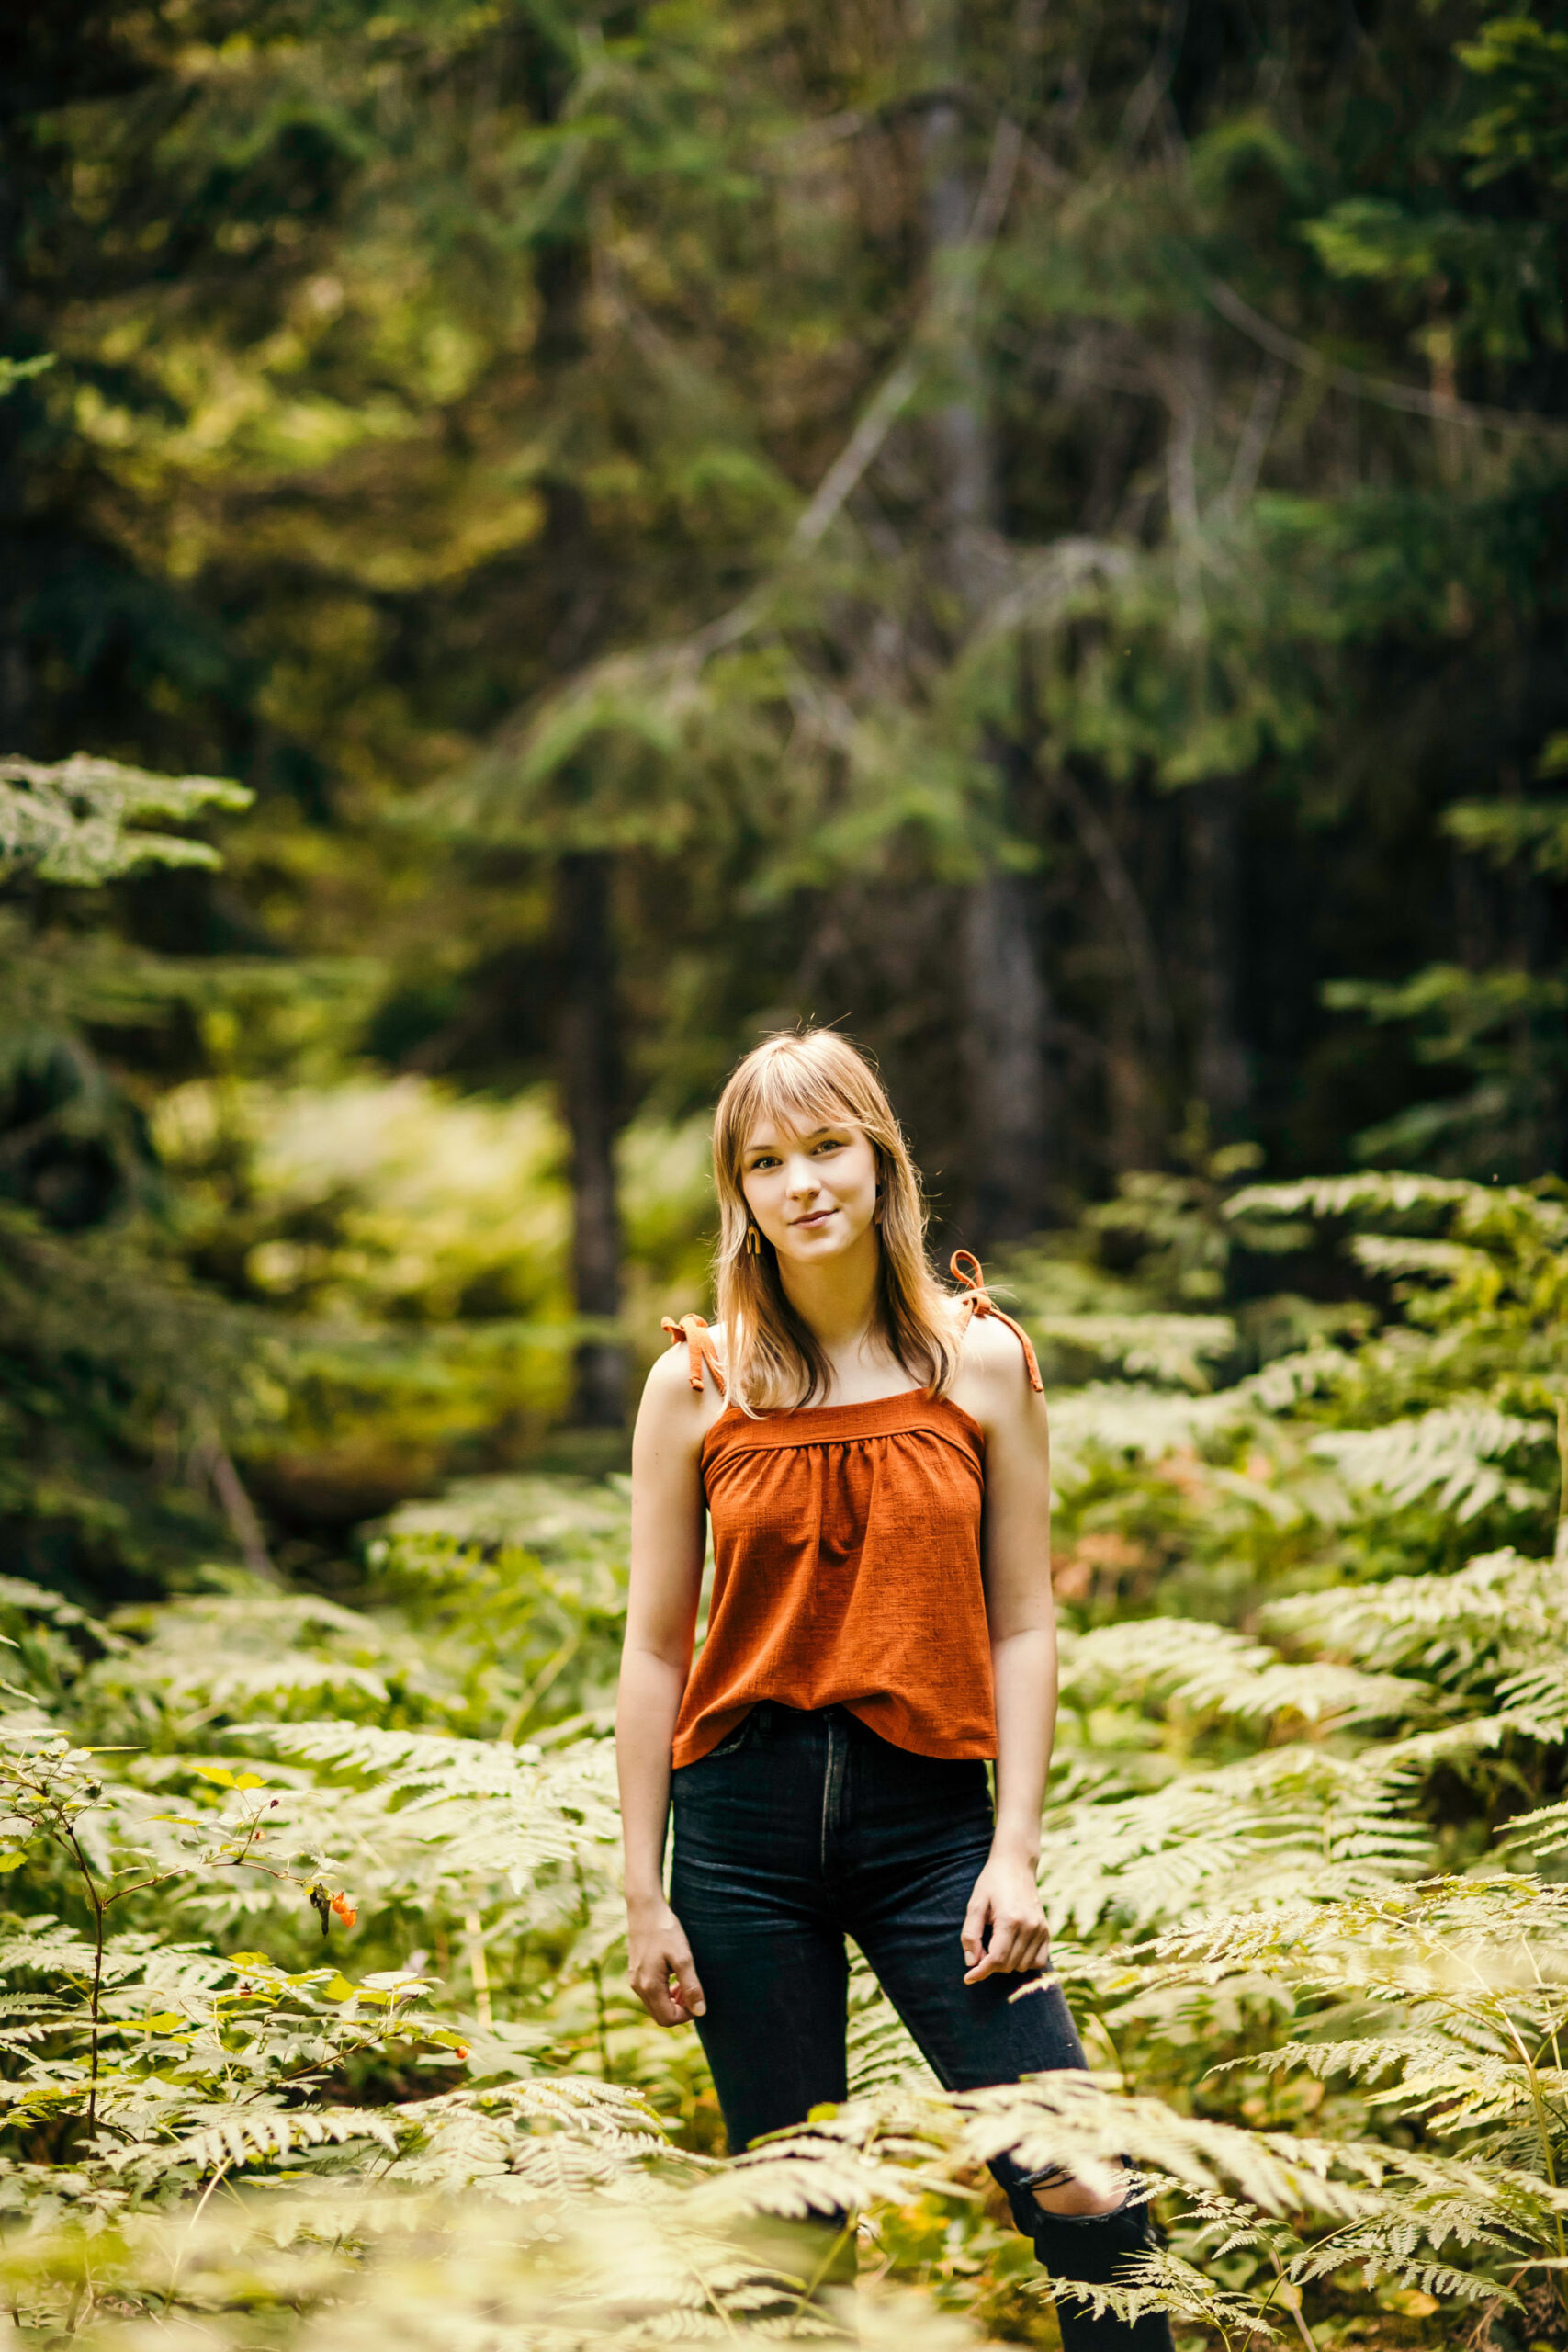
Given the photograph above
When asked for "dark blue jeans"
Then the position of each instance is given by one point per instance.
(799, 1829)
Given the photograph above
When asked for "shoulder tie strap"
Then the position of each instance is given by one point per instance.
(977, 1300)
(700, 1349)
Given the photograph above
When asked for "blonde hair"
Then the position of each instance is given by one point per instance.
(806, 1080)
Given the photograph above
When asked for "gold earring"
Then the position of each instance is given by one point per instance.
(753, 1241)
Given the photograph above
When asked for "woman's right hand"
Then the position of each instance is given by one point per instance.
(659, 1952)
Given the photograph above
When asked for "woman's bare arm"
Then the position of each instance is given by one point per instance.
(662, 1614)
(1022, 1616)
(1023, 1619)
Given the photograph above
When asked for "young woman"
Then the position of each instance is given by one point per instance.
(872, 1455)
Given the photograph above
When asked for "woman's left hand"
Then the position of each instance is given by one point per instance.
(1006, 1900)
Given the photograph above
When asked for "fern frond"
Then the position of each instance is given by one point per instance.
(1458, 2286)
(1172, 1349)
(1468, 1620)
(1136, 1423)
(1418, 1755)
(1542, 1832)
(841, 2162)
(1463, 1940)
(558, 1519)
(1208, 1669)
(1268, 1829)
(1453, 1453)
(470, 1809)
(1374, 1191)
(552, 2137)
(1291, 1380)
(1536, 1696)
(237, 2135)
(1362, 2057)
(1391, 1254)
(1161, 2281)
(1068, 2118)
(415, 1762)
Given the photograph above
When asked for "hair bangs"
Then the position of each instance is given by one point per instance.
(797, 1093)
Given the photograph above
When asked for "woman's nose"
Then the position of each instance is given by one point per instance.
(802, 1176)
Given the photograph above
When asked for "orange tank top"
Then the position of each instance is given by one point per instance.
(847, 1562)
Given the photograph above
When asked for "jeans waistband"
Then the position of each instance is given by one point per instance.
(771, 1717)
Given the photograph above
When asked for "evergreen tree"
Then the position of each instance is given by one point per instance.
(1004, 528)
(121, 1387)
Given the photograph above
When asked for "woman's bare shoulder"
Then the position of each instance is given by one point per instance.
(985, 1344)
(669, 1403)
(669, 1378)
(993, 1380)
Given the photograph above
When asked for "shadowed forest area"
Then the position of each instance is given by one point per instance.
(539, 543)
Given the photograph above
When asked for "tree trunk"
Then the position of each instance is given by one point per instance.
(1133, 1140)
(1139, 1002)
(588, 1062)
(1004, 1054)
(1221, 1064)
(586, 1024)
(962, 428)
(1006, 1010)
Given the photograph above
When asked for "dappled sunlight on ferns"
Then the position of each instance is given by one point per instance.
(354, 1870)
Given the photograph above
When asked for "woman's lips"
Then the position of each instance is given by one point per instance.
(817, 1217)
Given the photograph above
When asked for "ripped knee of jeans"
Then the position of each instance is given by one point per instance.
(1055, 2191)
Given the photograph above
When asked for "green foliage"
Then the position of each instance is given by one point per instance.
(1504, 830)
(548, 423)
(353, 1286)
(73, 822)
(1298, 1853)
(570, 467)
(100, 1336)
(1521, 123)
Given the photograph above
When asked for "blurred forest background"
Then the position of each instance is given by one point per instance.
(1034, 532)
(537, 542)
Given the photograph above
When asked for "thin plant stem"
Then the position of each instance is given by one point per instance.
(1538, 2101)
(473, 1928)
(596, 1970)
(195, 2220)
(602, 2023)
(1303, 2330)
(1543, 2131)
(554, 1666)
(839, 2239)
(95, 2005)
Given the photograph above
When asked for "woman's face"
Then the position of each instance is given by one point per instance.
(812, 1193)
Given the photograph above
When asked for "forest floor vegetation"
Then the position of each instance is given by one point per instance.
(316, 2018)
